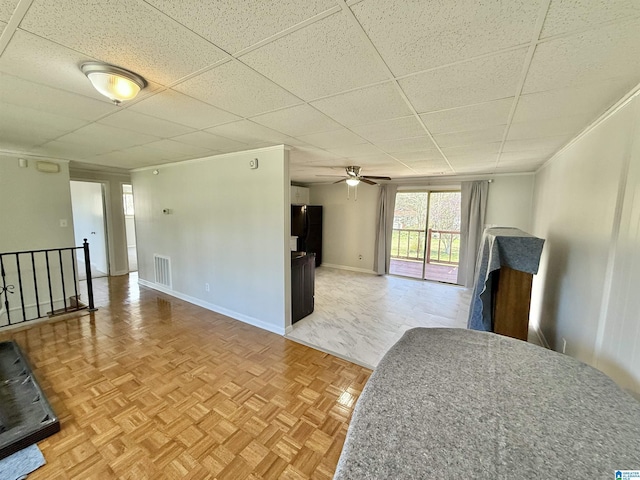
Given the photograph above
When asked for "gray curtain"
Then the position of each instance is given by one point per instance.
(473, 208)
(384, 228)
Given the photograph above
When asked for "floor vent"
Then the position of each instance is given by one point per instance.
(162, 266)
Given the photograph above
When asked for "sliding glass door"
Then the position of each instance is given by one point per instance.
(426, 235)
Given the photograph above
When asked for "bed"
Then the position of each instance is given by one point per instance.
(454, 403)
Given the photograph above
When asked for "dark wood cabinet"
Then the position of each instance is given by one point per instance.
(303, 276)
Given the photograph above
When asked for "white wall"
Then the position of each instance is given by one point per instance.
(349, 225)
(116, 236)
(509, 202)
(228, 227)
(580, 205)
(32, 205)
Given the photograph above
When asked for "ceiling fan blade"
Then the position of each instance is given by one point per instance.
(375, 178)
(365, 180)
(341, 180)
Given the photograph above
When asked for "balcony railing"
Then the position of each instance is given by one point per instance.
(409, 244)
(39, 283)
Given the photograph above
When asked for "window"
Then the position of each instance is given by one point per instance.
(127, 200)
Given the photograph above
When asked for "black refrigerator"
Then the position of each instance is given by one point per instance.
(306, 224)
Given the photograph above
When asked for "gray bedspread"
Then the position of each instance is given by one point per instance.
(463, 404)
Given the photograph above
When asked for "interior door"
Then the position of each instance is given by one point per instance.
(87, 200)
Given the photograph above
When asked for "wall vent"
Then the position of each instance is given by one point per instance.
(162, 267)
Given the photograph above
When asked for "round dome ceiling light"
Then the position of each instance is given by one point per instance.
(115, 83)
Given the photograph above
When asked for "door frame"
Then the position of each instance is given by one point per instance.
(429, 190)
(106, 200)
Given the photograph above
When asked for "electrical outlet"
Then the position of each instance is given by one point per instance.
(564, 345)
(206, 287)
(253, 164)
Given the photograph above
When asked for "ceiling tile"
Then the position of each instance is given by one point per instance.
(415, 144)
(248, 132)
(530, 165)
(299, 120)
(210, 141)
(107, 136)
(6, 9)
(42, 61)
(47, 63)
(26, 127)
(393, 129)
(472, 117)
(586, 58)
(183, 109)
(542, 146)
(512, 157)
(311, 154)
(472, 149)
(417, 35)
(170, 149)
(137, 36)
(333, 139)
(548, 128)
(124, 158)
(326, 57)
(23, 93)
(476, 158)
(73, 151)
(366, 105)
(356, 150)
(140, 156)
(471, 168)
(590, 100)
(569, 15)
(466, 83)
(234, 28)
(141, 123)
(379, 160)
(430, 167)
(238, 89)
(485, 135)
(425, 155)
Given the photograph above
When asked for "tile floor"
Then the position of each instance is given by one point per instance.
(359, 316)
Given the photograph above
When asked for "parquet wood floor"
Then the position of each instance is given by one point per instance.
(151, 387)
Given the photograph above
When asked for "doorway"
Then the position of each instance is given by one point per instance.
(426, 235)
(87, 202)
(130, 226)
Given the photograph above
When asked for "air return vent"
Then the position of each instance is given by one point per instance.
(162, 266)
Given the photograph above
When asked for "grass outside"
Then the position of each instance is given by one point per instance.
(410, 245)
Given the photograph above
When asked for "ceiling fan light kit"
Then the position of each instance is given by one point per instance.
(115, 83)
(352, 182)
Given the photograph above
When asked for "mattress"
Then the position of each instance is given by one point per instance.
(454, 403)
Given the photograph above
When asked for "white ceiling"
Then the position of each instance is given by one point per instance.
(412, 88)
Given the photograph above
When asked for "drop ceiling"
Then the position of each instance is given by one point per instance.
(406, 89)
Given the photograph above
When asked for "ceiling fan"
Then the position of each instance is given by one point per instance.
(353, 177)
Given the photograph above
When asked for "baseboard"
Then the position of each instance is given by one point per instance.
(119, 273)
(351, 269)
(214, 308)
(541, 337)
